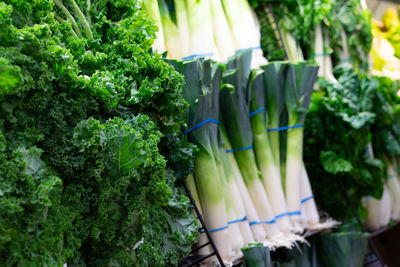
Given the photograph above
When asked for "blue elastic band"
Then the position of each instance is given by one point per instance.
(260, 222)
(292, 213)
(367, 198)
(201, 124)
(238, 220)
(319, 55)
(397, 170)
(239, 149)
(198, 55)
(348, 59)
(285, 128)
(252, 48)
(214, 230)
(281, 215)
(391, 176)
(256, 111)
(306, 199)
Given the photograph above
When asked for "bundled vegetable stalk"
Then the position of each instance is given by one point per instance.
(208, 29)
(235, 115)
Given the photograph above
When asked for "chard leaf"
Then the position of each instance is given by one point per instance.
(333, 163)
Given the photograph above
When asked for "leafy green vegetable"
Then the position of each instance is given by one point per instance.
(80, 102)
(337, 134)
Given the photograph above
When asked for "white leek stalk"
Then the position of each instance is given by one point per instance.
(378, 211)
(235, 235)
(202, 237)
(171, 33)
(201, 43)
(293, 172)
(222, 34)
(183, 26)
(394, 191)
(212, 202)
(151, 7)
(244, 28)
(236, 203)
(308, 207)
(251, 213)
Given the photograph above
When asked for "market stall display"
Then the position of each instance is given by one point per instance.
(135, 132)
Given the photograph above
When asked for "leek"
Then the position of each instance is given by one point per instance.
(299, 83)
(171, 33)
(222, 34)
(265, 159)
(394, 191)
(151, 7)
(243, 25)
(251, 213)
(182, 22)
(201, 92)
(201, 43)
(378, 210)
(236, 201)
(273, 79)
(202, 237)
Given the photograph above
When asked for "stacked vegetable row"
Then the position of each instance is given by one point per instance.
(344, 138)
(237, 117)
(212, 29)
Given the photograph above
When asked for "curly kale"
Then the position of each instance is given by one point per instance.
(101, 114)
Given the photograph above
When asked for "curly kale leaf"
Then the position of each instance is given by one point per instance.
(136, 219)
(31, 231)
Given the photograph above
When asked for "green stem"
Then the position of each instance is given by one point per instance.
(89, 19)
(69, 16)
(85, 24)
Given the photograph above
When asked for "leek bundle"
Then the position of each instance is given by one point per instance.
(201, 92)
(235, 114)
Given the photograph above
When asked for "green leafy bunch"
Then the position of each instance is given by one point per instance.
(338, 133)
(79, 85)
(350, 17)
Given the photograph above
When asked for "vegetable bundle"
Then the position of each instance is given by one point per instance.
(234, 117)
(90, 139)
(208, 29)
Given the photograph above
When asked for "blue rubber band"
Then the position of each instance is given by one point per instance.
(252, 48)
(214, 230)
(293, 213)
(260, 222)
(367, 198)
(238, 220)
(348, 59)
(319, 55)
(198, 55)
(256, 111)
(391, 176)
(281, 215)
(239, 149)
(201, 124)
(398, 170)
(286, 128)
(306, 199)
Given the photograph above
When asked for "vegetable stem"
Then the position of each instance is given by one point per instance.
(81, 16)
(69, 16)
